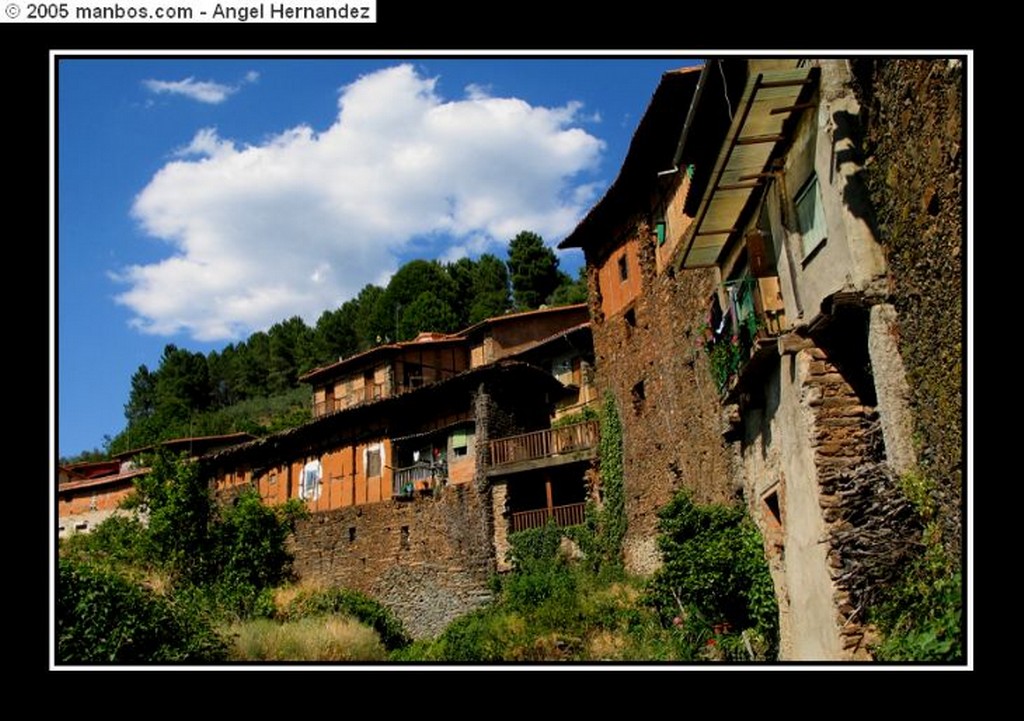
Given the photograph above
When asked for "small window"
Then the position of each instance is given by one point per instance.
(810, 216)
(460, 443)
(373, 462)
(312, 472)
(351, 534)
(623, 269)
(630, 317)
(659, 232)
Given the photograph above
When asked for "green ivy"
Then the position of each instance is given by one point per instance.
(609, 524)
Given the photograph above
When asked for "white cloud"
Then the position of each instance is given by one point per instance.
(205, 91)
(302, 221)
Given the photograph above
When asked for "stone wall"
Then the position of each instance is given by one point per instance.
(647, 356)
(841, 442)
(915, 172)
(428, 560)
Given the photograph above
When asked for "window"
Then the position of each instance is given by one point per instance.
(312, 472)
(373, 462)
(639, 395)
(623, 268)
(810, 216)
(460, 443)
(659, 232)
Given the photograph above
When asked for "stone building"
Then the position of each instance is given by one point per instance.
(423, 456)
(742, 317)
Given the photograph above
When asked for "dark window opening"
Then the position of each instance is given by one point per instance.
(623, 269)
(630, 317)
(771, 502)
(639, 396)
(351, 534)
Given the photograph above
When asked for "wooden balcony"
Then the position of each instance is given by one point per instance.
(572, 514)
(542, 449)
(420, 477)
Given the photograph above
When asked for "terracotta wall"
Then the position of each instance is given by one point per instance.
(344, 481)
(617, 293)
(96, 498)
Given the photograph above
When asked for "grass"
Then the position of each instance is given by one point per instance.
(323, 638)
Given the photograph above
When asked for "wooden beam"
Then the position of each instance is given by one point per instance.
(755, 139)
(739, 186)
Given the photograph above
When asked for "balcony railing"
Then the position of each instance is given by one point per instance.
(332, 405)
(572, 514)
(420, 476)
(544, 444)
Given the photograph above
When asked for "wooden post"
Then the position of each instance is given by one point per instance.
(551, 505)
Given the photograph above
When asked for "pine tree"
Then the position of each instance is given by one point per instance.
(534, 270)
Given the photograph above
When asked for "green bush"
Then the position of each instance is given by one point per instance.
(714, 574)
(119, 540)
(476, 637)
(102, 617)
(921, 616)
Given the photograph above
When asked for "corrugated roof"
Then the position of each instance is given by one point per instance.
(768, 101)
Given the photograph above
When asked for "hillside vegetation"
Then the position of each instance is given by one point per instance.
(253, 386)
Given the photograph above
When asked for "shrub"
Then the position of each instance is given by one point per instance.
(102, 617)
(715, 579)
(119, 540)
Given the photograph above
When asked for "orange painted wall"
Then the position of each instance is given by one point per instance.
(615, 292)
(676, 223)
(344, 481)
(80, 501)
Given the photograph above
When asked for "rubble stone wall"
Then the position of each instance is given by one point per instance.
(647, 356)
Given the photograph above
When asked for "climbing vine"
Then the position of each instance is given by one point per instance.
(610, 520)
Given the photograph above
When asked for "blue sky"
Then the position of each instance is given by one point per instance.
(200, 200)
